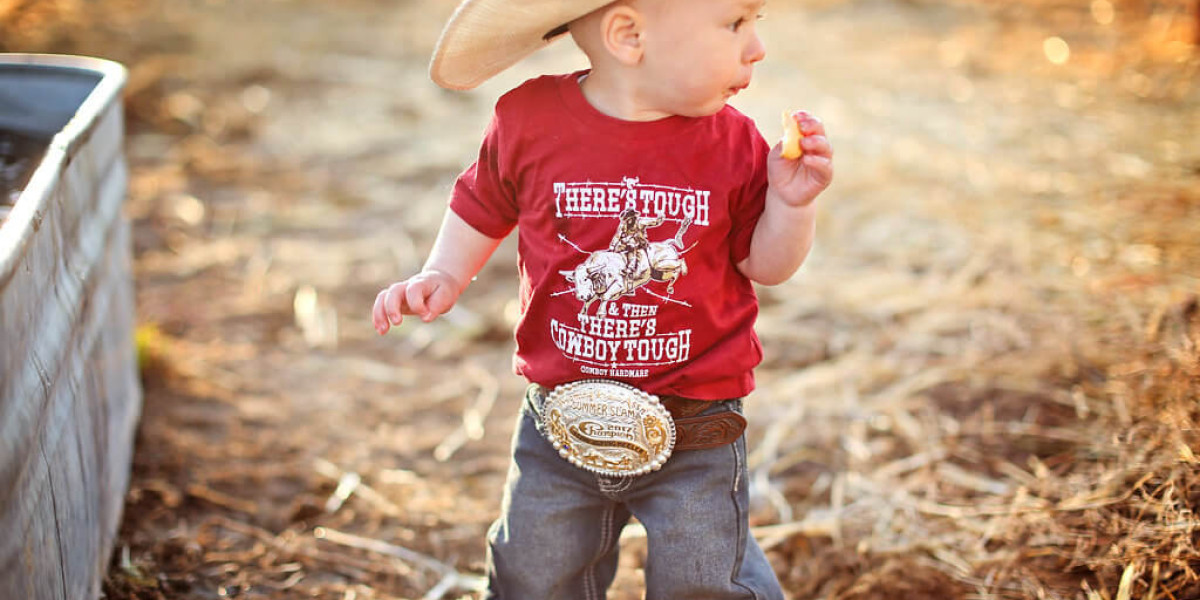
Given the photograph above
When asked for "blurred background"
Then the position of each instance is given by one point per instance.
(982, 384)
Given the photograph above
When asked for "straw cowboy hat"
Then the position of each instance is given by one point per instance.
(484, 37)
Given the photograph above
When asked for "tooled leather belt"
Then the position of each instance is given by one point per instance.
(694, 431)
(612, 428)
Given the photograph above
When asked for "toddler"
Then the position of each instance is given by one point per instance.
(646, 208)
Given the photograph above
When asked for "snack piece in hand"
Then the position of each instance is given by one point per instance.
(791, 137)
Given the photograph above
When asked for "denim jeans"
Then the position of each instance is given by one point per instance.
(556, 538)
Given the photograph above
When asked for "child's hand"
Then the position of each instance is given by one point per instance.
(799, 181)
(427, 294)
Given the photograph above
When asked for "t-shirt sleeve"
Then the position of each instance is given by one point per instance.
(750, 200)
(483, 195)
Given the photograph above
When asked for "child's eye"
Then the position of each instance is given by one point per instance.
(737, 25)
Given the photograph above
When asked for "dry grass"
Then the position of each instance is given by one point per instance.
(950, 408)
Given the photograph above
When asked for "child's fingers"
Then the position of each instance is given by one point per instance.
(393, 302)
(816, 144)
(809, 125)
(439, 301)
(417, 296)
(820, 168)
(379, 316)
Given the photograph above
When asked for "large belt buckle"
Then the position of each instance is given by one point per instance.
(608, 427)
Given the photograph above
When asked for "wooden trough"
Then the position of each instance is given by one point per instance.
(69, 391)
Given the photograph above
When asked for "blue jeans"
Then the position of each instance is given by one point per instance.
(556, 538)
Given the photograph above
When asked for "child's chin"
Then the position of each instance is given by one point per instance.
(707, 110)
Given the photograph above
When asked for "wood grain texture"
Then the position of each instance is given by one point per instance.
(69, 393)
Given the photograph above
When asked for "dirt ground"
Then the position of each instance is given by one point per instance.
(976, 386)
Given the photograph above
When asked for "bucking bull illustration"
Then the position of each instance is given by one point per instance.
(629, 263)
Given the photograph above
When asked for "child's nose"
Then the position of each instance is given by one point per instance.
(756, 50)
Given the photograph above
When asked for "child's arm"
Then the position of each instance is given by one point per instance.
(785, 231)
(458, 253)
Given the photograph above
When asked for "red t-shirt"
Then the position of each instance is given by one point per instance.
(629, 233)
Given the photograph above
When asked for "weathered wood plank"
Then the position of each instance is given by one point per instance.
(69, 394)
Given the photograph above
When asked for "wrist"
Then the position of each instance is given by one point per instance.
(458, 283)
(786, 206)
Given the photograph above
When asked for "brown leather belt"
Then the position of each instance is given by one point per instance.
(693, 431)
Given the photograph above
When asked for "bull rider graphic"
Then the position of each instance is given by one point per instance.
(630, 262)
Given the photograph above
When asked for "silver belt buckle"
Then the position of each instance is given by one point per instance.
(608, 427)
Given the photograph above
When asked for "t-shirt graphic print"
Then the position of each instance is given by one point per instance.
(626, 283)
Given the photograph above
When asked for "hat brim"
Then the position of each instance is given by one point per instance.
(485, 37)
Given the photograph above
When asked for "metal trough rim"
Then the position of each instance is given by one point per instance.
(16, 233)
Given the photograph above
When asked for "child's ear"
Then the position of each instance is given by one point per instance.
(621, 30)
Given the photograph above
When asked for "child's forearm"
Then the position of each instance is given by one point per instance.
(782, 239)
(460, 250)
